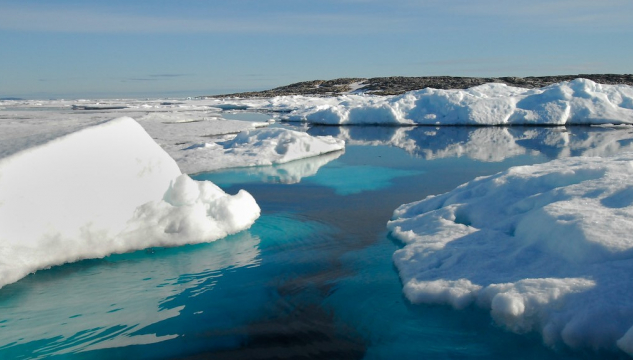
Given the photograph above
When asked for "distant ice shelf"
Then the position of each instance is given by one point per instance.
(546, 248)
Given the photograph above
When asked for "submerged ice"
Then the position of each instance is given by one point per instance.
(106, 188)
(546, 248)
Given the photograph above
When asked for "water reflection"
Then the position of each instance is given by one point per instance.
(288, 173)
(489, 144)
(113, 302)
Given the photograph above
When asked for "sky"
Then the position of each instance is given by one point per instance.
(160, 48)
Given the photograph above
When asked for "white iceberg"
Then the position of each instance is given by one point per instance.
(253, 148)
(546, 248)
(579, 101)
(106, 188)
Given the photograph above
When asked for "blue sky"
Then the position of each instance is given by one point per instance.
(70, 48)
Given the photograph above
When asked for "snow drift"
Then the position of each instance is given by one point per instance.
(107, 188)
(580, 101)
(545, 247)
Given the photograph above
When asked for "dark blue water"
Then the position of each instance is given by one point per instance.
(313, 277)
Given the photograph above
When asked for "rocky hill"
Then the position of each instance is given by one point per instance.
(395, 85)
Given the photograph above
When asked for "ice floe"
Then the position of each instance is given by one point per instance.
(254, 148)
(287, 173)
(546, 248)
(92, 189)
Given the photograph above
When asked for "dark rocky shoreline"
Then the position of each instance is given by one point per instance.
(396, 85)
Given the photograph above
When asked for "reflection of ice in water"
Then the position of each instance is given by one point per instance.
(287, 173)
(294, 171)
(108, 303)
(491, 144)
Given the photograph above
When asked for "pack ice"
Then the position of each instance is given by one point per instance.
(92, 189)
(546, 248)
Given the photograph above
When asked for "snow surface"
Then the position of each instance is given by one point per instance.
(579, 101)
(99, 189)
(26, 124)
(546, 248)
(192, 132)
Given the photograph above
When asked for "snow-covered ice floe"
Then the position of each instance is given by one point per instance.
(546, 248)
(103, 188)
(253, 148)
(579, 101)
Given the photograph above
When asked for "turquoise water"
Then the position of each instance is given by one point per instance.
(313, 278)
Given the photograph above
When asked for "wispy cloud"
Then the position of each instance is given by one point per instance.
(604, 14)
(88, 20)
(168, 75)
(138, 79)
(154, 77)
(332, 17)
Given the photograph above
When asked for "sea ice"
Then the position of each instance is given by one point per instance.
(546, 248)
(103, 188)
(191, 131)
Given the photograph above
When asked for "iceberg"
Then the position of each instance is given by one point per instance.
(103, 188)
(545, 248)
(580, 101)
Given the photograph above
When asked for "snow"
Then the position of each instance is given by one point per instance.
(580, 101)
(545, 248)
(28, 123)
(254, 148)
(92, 188)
